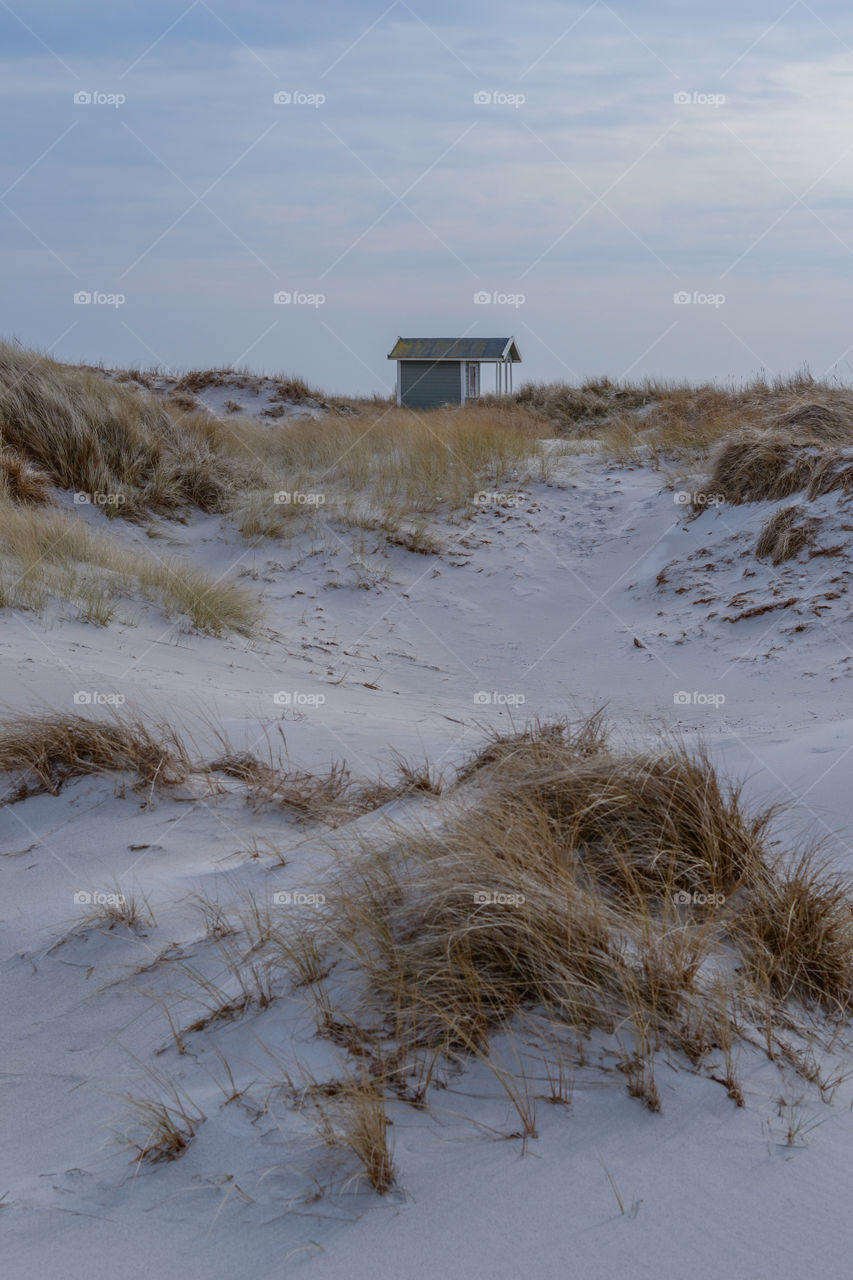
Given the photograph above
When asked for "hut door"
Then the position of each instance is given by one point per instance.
(473, 390)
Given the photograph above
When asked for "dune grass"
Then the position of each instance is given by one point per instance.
(788, 532)
(384, 470)
(41, 751)
(113, 442)
(622, 894)
(622, 897)
(47, 553)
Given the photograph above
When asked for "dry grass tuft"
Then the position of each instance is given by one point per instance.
(796, 934)
(606, 890)
(47, 552)
(804, 450)
(167, 1127)
(355, 1119)
(20, 482)
(762, 466)
(106, 439)
(118, 908)
(41, 752)
(788, 532)
(552, 742)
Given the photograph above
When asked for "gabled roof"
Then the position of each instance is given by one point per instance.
(455, 349)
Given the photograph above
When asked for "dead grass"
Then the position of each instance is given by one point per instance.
(541, 742)
(385, 470)
(330, 796)
(796, 933)
(105, 438)
(118, 908)
(355, 1119)
(602, 888)
(21, 482)
(40, 752)
(161, 1129)
(658, 419)
(809, 448)
(788, 532)
(46, 552)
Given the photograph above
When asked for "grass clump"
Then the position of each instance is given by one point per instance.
(47, 552)
(356, 1120)
(796, 934)
(788, 532)
(114, 442)
(161, 1129)
(21, 482)
(604, 890)
(42, 751)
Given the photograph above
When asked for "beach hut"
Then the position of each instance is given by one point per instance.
(434, 371)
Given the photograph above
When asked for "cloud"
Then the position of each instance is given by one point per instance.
(596, 195)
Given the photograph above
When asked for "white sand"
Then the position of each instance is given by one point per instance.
(541, 601)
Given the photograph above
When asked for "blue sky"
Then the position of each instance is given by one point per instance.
(625, 154)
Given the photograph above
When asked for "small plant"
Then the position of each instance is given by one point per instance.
(112, 909)
(356, 1120)
(43, 750)
(796, 933)
(167, 1126)
(216, 922)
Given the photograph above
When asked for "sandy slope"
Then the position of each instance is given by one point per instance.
(555, 601)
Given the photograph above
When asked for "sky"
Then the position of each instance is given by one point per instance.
(643, 189)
